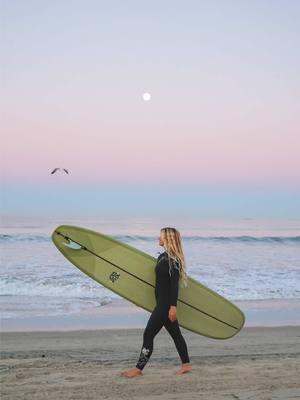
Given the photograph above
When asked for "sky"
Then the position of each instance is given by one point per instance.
(220, 135)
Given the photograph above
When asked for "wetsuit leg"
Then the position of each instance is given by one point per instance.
(154, 325)
(174, 330)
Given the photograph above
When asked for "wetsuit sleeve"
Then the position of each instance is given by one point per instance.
(174, 286)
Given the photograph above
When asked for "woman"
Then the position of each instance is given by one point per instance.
(169, 270)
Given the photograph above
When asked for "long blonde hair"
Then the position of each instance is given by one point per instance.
(173, 247)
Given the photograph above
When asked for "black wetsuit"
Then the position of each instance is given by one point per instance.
(166, 293)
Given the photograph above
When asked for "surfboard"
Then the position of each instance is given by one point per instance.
(130, 273)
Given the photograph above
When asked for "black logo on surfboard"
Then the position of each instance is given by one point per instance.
(114, 276)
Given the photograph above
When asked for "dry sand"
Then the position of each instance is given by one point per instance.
(258, 363)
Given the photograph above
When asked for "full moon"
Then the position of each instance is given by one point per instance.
(146, 96)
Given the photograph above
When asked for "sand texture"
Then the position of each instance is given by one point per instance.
(258, 363)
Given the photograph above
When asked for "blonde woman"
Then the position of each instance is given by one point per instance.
(169, 270)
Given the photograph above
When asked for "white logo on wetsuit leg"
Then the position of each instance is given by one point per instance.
(114, 276)
(144, 357)
(145, 351)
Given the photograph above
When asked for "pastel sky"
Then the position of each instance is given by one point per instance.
(220, 135)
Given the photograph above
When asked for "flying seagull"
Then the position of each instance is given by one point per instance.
(57, 169)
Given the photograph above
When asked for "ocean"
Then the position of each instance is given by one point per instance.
(241, 259)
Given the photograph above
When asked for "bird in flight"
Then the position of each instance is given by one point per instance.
(57, 169)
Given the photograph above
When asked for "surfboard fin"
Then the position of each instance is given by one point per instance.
(72, 245)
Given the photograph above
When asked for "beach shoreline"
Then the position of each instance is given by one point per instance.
(258, 363)
(122, 314)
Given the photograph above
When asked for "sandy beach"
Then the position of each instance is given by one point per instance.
(259, 363)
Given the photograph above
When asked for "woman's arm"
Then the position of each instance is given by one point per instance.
(174, 286)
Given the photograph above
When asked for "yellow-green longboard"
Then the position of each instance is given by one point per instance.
(130, 273)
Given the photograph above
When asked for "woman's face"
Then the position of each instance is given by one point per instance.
(161, 238)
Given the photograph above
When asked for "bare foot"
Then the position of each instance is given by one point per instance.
(131, 373)
(184, 368)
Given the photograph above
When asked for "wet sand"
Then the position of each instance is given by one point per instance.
(259, 363)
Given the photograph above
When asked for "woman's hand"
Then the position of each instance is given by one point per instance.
(172, 313)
